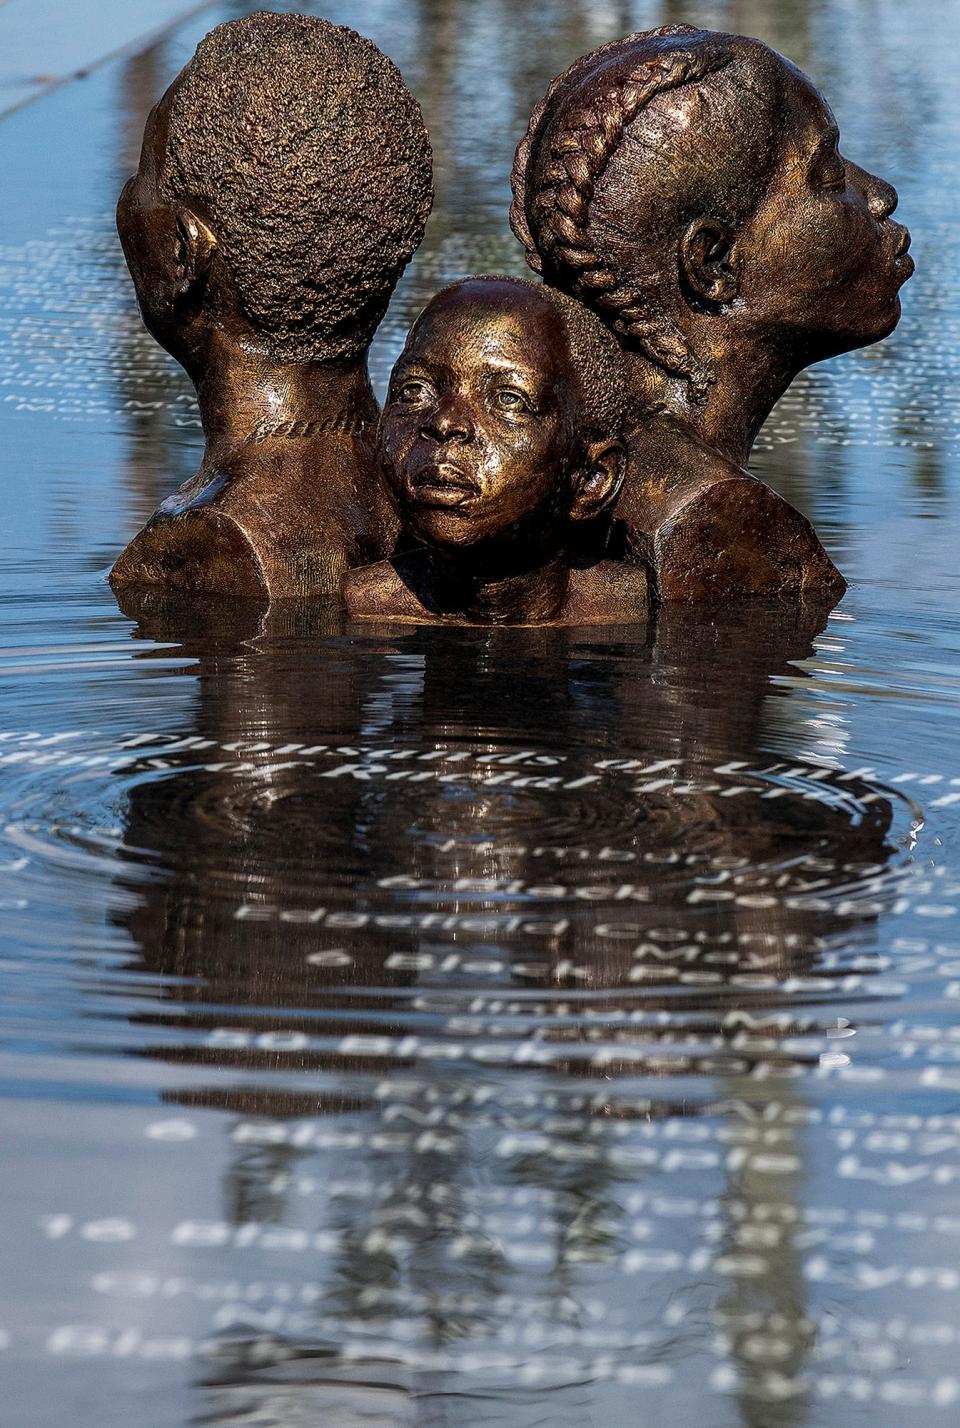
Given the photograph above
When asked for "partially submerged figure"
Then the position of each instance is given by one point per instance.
(284, 184)
(687, 185)
(501, 435)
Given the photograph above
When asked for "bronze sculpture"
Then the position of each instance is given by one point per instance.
(501, 433)
(284, 183)
(687, 186)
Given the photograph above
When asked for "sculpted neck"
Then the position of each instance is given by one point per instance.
(243, 391)
(748, 382)
(471, 590)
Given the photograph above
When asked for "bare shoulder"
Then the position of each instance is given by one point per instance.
(201, 551)
(712, 530)
(611, 592)
(735, 535)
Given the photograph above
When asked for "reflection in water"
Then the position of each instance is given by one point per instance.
(504, 909)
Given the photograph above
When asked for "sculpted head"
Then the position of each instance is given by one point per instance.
(504, 416)
(284, 183)
(688, 186)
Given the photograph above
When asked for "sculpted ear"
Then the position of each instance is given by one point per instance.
(708, 261)
(196, 245)
(596, 484)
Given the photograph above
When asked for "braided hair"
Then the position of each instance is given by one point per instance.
(561, 159)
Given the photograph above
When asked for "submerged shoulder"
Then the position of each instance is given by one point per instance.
(609, 592)
(380, 592)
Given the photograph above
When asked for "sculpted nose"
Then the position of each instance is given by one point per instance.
(882, 197)
(448, 421)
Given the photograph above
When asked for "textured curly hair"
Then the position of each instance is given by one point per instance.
(309, 157)
(568, 157)
(597, 358)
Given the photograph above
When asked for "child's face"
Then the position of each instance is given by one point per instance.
(478, 429)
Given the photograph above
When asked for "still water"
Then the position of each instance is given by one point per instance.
(479, 1027)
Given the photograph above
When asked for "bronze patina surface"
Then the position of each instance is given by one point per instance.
(284, 183)
(688, 186)
(501, 435)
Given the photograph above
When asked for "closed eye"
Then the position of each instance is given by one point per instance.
(827, 169)
(832, 175)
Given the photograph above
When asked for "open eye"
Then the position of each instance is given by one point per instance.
(411, 392)
(510, 400)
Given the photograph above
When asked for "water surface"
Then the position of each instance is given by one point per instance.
(478, 1027)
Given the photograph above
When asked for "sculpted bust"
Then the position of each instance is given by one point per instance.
(502, 433)
(688, 186)
(284, 183)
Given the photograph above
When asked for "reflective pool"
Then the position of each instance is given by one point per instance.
(479, 1027)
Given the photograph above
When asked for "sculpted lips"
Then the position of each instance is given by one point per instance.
(442, 484)
(905, 264)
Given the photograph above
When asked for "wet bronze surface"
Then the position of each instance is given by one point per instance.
(688, 186)
(283, 186)
(502, 434)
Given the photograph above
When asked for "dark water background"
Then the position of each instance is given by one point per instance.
(461, 1028)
